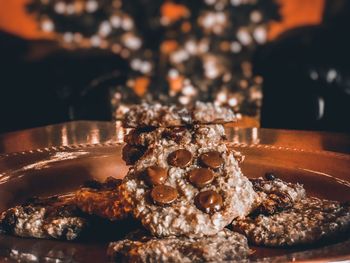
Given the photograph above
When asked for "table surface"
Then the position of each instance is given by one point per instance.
(95, 132)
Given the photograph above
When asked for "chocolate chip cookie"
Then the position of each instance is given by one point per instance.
(102, 199)
(188, 190)
(65, 216)
(157, 115)
(52, 217)
(309, 220)
(224, 246)
(275, 195)
(139, 139)
(200, 134)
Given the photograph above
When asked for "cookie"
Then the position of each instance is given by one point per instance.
(275, 195)
(44, 218)
(139, 139)
(65, 216)
(145, 137)
(224, 246)
(200, 134)
(309, 220)
(110, 183)
(209, 113)
(157, 115)
(188, 190)
(132, 153)
(102, 199)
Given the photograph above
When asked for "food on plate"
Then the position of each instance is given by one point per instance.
(275, 195)
(308, 221)
(224, 246)
(102, 199)
(188, 195)
(53, 217)
(187, 189)
(200, 134)
(157, 115)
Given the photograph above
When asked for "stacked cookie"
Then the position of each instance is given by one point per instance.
(183, 182)
(186, 188)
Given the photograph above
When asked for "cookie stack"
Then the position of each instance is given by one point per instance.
(183, 182)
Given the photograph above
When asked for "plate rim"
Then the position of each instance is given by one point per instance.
(119, 143)
(72, 147)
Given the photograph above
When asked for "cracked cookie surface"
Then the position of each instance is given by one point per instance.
(200, 134)
(308, 221)
(157, 115)
(224, 246)
(53, 217)
(275, 195)
(179, 190)
(139, 139)
(102, 199)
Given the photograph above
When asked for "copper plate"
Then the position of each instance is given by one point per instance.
(60, 169)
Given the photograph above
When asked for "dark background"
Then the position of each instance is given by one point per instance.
(303, 69)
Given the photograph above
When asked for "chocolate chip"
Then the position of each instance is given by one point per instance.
(133, 137)
(270, 176)
(28, 209)
(131, 153)
(156, 175)
(209, 201)
(8, 222)
(211, 159)
(145, 129)
(201, 177)
(111, 182)
(175, 134)
(92, 184)
(180, 158)
(164, 194)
